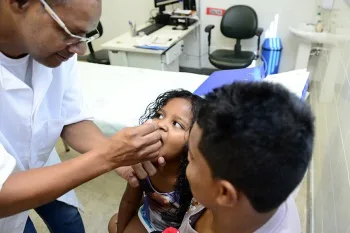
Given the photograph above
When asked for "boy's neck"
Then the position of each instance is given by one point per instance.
(241, 221)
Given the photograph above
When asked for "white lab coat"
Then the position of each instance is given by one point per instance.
(31, 121)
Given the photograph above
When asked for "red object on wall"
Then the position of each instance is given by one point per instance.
(215, 11)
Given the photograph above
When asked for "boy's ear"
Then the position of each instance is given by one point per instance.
(19, 6)
(227, 195)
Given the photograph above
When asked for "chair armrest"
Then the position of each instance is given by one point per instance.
(209, 28)
(259, 31)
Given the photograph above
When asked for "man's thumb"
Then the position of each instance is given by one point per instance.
(133, 181)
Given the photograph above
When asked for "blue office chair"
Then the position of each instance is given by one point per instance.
(239, 22)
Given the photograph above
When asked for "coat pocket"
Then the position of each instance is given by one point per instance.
(45, 140)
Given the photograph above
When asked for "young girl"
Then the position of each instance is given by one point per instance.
(167, 194)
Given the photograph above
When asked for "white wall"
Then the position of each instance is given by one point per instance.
(291, 13)
(331, 160)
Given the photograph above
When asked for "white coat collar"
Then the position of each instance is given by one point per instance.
(9, 82)
(41, 80)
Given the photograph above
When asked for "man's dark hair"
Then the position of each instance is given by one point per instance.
(259, 137)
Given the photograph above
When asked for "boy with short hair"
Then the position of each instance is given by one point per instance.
(248, 150)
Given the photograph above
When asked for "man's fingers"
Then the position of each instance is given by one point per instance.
(161, 161)
(149, 167)
(140, 171)
(149, 121)
(133, 182)
(151, 138)
(145, 129)
(124, 171)
(127, 173)
(150, 152)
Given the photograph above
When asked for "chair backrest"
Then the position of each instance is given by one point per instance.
(100, 30)
(239, 22)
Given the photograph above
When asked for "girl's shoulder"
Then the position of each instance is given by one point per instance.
(194, 213)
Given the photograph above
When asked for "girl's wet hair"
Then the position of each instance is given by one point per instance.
(182, 187)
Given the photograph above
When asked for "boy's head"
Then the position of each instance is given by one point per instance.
(251, 141)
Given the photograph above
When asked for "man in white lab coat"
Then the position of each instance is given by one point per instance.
(40, 100)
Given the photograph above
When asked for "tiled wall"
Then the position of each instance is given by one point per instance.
(331, 162)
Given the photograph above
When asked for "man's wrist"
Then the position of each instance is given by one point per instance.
(105, 157)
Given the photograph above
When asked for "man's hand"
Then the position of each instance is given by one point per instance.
(141, 171)
(132, 145)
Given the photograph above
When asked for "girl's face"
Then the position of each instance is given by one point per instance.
(174, 120)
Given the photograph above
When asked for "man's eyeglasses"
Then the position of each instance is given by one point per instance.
(95, 34)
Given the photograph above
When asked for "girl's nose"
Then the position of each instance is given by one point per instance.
(163, 125)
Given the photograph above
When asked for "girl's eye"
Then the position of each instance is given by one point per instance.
(177, 125)
(158, 116)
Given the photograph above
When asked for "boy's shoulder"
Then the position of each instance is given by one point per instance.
(285, 220)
